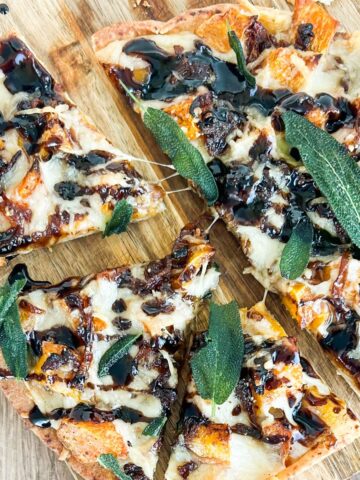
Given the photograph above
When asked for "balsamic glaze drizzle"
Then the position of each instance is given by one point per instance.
(172, 75)
(86, 413)
(23, 73)
(21, 271)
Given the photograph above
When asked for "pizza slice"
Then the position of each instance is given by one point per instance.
(60, 177)
(300, 62)
(279, 419)
(103, 356)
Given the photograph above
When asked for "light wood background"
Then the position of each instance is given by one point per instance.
(59, 33)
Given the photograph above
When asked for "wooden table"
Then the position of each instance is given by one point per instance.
(59, 33)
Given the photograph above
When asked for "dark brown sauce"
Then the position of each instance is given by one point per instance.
(23, 73)
(171, 343)
(156, 306)
(236, 410)
(135, 472)
(286, 352)
(119, 306)
(58, 335)
(310, 424)
(246, 199)
(192, 69)
(121, 323)
(4, 373)
(38, 419)
(314, 400)
(87, 413)
(342, 337)
(90, 160)
(30, 127)
(4, 9)
(124, 370)
(21, 271)
(307, 368)
(246, 430)
(172, 75)
(185, 469)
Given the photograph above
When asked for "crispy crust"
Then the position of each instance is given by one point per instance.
(316, 455)
(17, 394)
(187, 21)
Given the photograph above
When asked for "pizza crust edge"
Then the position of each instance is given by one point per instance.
(189, 20)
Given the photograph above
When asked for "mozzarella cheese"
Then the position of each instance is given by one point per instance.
(270, 409)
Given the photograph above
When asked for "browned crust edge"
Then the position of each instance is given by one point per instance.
(318, 454)
(186, 21)
(18, 396)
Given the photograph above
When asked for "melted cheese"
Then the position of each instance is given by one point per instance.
(141, 450)
(30, 183)
(250, 458)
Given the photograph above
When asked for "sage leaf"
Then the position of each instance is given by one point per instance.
(296, 254)
(8, 295)
(217, 366)
(154, 428)
(109, 461)
(114, 353)
(335, 173)
(13, 343)
(235, 44)
(120, 218)
(187, 160)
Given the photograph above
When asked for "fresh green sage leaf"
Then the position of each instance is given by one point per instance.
(235, 44)
(13, 343)
(109, 461)
(153, 429)
(8, 295)
(114, 353)
(296, 254)
(217, 366)
(120, 218)
(335, 173)
(187, 160)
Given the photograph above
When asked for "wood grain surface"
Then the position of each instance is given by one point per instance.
(59, 33)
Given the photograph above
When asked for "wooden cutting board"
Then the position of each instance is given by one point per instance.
(59, 33)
